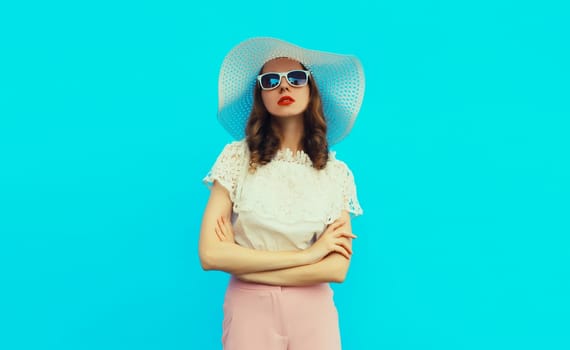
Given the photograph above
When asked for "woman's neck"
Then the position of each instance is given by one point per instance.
(290, 132)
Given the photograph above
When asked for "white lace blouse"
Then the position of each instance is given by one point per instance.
(285, 204)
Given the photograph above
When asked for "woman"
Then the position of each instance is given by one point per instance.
(278, 216)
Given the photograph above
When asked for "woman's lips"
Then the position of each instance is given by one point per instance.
(285, 101)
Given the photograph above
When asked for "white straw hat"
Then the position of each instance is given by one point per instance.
(339, 78)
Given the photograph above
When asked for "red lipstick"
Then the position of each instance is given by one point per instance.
(285, 101)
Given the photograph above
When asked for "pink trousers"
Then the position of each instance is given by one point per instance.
(264, 317)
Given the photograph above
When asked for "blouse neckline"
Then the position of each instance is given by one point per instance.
(298, 157)
(287, 155)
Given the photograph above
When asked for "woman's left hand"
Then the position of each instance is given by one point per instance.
(224, 230)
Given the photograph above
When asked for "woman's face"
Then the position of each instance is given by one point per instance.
(285, 100)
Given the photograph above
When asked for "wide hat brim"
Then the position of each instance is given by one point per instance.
(339, 78)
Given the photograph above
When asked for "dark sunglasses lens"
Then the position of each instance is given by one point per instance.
(269, 81)
(297, 78)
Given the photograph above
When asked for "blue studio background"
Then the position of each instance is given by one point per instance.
(460, 153)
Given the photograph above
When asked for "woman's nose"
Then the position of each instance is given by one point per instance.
(284, 84)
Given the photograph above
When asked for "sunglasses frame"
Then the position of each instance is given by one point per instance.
(281, 75)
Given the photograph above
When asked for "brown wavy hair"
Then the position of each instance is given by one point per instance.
(262, 133)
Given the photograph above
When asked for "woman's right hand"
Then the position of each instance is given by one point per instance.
(332, 240)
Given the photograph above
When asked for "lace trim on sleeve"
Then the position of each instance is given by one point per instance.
(350, 199)
(348, 195)
(227, 168)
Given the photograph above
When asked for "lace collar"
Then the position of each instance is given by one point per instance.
(299, 157)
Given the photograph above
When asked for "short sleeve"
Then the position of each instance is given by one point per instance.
(348, 187)
(228, 167)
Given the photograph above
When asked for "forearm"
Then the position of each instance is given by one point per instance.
(234, 259)
(217, 254)
(333, 268)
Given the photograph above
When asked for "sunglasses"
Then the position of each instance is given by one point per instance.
(272, 80)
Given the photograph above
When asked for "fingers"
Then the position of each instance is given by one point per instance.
(345, 246)
(346, 234)
(221, 225)
(219, 234)
(223, 229)
(336, 224)
(341, 245)
(342, 250)
(219, 229)
(227, 224)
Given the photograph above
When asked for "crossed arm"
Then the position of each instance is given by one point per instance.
(285, 268)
